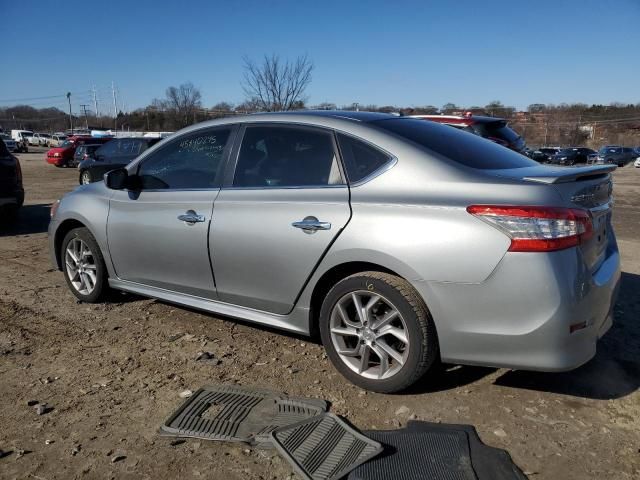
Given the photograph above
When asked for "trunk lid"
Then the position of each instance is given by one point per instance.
(588, 188)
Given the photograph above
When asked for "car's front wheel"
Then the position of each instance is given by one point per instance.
(83, 266)
(378, 332)
(85, 177)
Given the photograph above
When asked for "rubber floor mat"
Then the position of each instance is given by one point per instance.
(434, 451)
(324, 447)
(238, 414)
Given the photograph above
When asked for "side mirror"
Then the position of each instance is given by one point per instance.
(117, 179)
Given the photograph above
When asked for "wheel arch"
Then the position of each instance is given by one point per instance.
(65, 227)
(332, 276)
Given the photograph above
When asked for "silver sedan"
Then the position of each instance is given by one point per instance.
(401, 242)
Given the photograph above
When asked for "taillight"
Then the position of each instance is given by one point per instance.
(18, 171)
(537, 229)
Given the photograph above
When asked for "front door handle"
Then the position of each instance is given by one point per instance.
(190, 217)
(311, 224)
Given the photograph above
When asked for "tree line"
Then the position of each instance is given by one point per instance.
(274, 84)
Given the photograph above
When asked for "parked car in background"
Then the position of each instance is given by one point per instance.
(495, 129)
(62, 156)
(38, 139)
(118, 153)
(21, 138)
(41, 139)
(84, 152)
(637, 163)
(11, 189)
(616, 155)
(56, 140)
(543, 154)
(574, 155)
(401, 241)
(11, 144)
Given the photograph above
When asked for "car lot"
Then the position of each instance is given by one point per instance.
(113, 372)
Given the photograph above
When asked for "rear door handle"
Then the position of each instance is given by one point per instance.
(190, 217)
(311, 224)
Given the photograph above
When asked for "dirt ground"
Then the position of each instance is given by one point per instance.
(112, 373)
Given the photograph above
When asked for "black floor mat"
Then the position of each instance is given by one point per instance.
(434, 451)
(324, 448)
(238, 414)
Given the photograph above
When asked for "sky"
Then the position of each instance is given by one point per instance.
(403, 53)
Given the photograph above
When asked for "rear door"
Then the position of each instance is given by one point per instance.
(158, 236)
(283, 204)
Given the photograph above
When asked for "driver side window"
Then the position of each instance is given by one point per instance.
(189, 162)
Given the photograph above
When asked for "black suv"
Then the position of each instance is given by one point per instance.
(117, 153)
(84, 152)
(573, 155)
(617, 155)
(11, 190)
(495, 129)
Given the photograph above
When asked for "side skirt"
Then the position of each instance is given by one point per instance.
(296, 321)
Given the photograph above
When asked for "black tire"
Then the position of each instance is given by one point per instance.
(101, 286)
(86, 173)
(420, 329)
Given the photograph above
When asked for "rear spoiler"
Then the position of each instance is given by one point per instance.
(565, 175)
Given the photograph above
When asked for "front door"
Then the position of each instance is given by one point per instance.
(274, 221)
(158, 236)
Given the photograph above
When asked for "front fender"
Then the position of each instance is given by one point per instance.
(87, 205)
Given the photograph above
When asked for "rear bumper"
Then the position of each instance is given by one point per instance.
(520, 317)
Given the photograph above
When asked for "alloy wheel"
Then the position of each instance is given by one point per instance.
(86, 179)
(81, 266)
(369, 334)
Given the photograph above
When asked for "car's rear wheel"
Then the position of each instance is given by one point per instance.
(378, 332)
(85, 177)
(83, 266)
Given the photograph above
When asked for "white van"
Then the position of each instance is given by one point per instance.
(22, 139)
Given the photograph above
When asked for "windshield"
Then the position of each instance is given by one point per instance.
(66, 143)
(459, 146)
(568, 151)
(604, 150)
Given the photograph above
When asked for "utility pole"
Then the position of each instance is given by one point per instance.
(70, 117)
(84, 111)
(95, 100)
(115, 107)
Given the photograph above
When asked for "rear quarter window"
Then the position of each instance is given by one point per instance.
(360, 159)
(456, 145)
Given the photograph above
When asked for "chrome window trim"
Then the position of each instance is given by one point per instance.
(290, 187)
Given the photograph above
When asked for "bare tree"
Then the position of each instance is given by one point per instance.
(183, 101)
(276, 85)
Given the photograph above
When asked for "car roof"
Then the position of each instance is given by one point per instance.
(347, 114)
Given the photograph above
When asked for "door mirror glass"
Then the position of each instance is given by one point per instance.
(117, 179)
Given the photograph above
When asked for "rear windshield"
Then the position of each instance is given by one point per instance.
(459, 146)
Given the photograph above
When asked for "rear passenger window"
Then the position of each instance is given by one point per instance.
(189, 162)
(286, 157)
(360, 159)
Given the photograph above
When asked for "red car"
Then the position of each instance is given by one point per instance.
(62, 156)
(491, 128)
